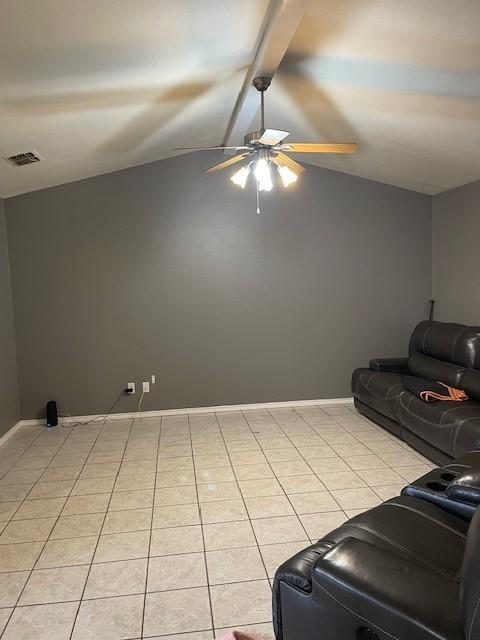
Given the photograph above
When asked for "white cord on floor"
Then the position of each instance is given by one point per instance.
(92, 420)
(139, 407)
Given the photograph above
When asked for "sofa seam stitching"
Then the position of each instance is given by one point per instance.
(470, 628)
(424, 515)
(405, 550)
(440, 426)
(425, 336)
(454, 345)
(458, 430)
(354, 612)
(387, 397)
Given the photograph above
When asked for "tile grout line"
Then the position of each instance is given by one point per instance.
(36, 482)
(137, 593)
(332, 447)
(360, 442)
(48, 538)
(257, 547)
(278, 480)
(115, 533)
(275, 475)
(286, 430)
(21, 454)
(100, 530)
(151, 527)
(346, 462)
(327, 443)
(201, 527)
(352, 434)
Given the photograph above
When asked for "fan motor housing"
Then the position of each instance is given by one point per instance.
(262, 83)
(253, 138)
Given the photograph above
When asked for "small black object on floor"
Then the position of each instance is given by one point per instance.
(52, 416)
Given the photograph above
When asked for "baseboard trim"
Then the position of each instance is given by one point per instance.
(180, 412)
(6, 436)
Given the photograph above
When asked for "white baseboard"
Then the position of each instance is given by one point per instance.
(11, 431)
(180, 412)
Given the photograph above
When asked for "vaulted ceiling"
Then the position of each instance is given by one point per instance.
(95, 87)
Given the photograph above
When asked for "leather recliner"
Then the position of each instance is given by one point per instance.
(441, 351)
(405, 570)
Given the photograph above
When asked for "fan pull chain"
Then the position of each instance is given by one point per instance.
(258, 198)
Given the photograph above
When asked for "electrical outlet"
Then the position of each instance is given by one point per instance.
(131, 385)
(154, 378)
(146, 387)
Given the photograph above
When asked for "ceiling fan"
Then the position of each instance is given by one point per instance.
(265, 147)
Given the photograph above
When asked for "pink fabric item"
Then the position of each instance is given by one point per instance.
(237, 635)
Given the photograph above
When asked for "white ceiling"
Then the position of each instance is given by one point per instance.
(400, 77)
(99, 86)
(95, 86)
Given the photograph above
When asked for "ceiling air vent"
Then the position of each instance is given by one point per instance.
(21, 159)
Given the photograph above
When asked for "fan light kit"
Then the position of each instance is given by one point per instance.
(265, 148)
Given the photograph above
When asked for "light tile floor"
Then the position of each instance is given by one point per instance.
(173, 527)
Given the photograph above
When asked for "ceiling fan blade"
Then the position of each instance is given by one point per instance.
(227, 163)
(206, 148)
(273, 136)
(281, 159)
(328, 147)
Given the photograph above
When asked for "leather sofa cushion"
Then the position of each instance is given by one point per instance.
(399, 597)
(411, 528)
(405, 526)
(378, 390)
(455, 343)
(470, 460)
(389, 365)
(452, 427)
(425, 367)
(471, 383)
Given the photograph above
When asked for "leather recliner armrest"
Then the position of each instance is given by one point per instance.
(389, 365)
(465, 487)
(387, 592)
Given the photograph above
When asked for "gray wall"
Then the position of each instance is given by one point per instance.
(9, 403)
(163, 269)
(456, 260)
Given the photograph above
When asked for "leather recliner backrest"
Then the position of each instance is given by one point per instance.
(445, 351)
(470, 581)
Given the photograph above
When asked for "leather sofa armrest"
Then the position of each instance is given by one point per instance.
(389, 365)
(385, 591)
(466, 487)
